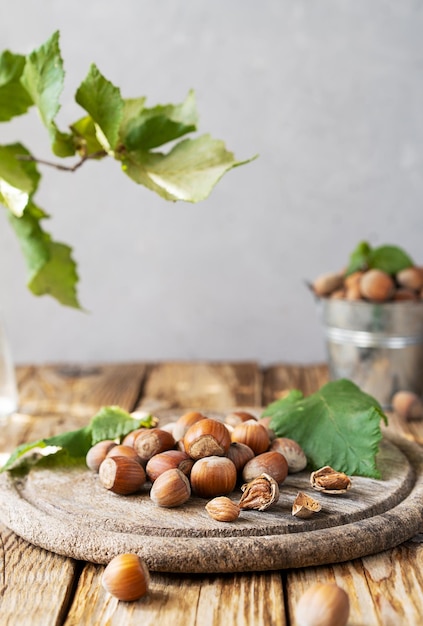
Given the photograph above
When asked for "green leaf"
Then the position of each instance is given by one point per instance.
(339, 425)
(110, 423)
(43, 78)
(188, 172)
(159, 125)
(14, 99)
(102, 100)
(18, 178)
(58, 276)
(359, 258)
(51, 268)
(389, 259)
(87, 142)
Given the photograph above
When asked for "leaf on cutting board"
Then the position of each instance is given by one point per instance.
(339, 425)
(110, 422)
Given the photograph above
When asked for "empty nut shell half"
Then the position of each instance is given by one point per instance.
(328, 480)
(305, 506)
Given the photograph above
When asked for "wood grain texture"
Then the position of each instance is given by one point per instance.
(69, 512)
(207, 385)
(384, 589)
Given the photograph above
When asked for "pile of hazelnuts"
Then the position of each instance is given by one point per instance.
(372, 285)
(196, 455)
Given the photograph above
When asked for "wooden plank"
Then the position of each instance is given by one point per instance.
(384, 590)
(278, 379)
(35, 584)
(78, 391)
(201, 385)
(239, 600)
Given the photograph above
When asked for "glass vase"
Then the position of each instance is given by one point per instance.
(8, 386)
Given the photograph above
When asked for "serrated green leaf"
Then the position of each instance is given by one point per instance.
(18, 178)
(188, 172)
(389, 259)
(110, 422)
(339, 425)
(359, 258)
(33, 240)
(102, 100)
(43, 78)
(58, 276)
(51, 269)
(14, 99)
(153, 127)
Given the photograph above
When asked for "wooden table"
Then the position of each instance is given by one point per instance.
(39, 587)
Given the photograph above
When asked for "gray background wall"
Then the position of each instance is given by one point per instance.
(328, 92)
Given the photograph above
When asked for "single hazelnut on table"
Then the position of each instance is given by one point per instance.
(407, 405)
(121, 475)
(171, 489)
(223, 509)
(305, 506)
(272, 463)
(152, 441)
(213, 476)
(253, 434)
(97, 453)
(208, 437)
(323, 604)
(170, 459)
(327, 480)
(126, 577)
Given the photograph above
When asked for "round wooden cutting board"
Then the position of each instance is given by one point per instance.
(70, 513)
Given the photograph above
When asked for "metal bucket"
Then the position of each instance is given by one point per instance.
(377, 346)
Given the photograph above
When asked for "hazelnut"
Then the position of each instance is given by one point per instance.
(207, 437)
(184, 422)
(239, 454)
(293, 453)
(236, 417)
(411, 278)
(170, 459)
(121, 475)
(325, 284)
(129, 439)
(328, 480)
(152, 441)
(407, 405)
(126, 577)
(97, 453)
(123, 450)
(253, 434)
(170, 489)
(213, 476)
(223, 509)
(272, 463)
(323, 604)
(259, 494)
(376, 286)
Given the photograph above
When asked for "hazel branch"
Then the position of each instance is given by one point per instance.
(58, 166)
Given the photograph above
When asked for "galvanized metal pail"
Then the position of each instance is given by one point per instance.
(377, 346)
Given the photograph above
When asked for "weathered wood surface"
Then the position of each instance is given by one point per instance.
(69, 512)
(39, 587)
